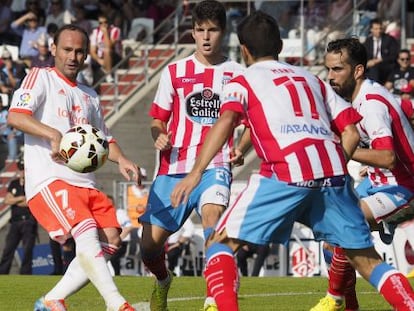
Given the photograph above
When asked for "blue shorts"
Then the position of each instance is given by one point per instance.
(214, 188)
(268, 208)
(383, 201)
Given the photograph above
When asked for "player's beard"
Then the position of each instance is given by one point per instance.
(347, 88)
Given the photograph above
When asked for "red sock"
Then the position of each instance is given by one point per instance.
(340, 272)
(156, 265)
(222, 280)
(351, 300)
(398, 292)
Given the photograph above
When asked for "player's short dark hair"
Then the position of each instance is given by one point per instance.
(71, 27)
(259, 32)
(209, 10)
(375, 21)
(357, 54)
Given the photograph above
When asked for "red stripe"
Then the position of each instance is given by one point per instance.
(261, 126)
(30, 79)
(208, 77)
(309, 95)
(323, 91)
(20, 111)
(222, 224)
(294, 96)
(188, 88)
(304, 162)
(325, 162)
(87, 225)
(108, 249)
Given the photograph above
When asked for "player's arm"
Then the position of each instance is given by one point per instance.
(215, 139)
(10, 199)
(29, 125)
(376, 123)
(126, 167)
(244, 144)
(349, 140)
(162, 139)
(381, 158)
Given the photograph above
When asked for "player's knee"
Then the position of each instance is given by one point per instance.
(210, 214)
(363, 259)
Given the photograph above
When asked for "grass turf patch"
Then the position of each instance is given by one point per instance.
(19, 292)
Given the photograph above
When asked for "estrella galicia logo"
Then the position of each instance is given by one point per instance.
(203, 107)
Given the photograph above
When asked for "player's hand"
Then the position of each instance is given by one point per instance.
(56, 137)
(129, 170)
(363, 172)
(183, 189)
(236, 157)
(163, 142)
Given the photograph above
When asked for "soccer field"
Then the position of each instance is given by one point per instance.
(187, 293)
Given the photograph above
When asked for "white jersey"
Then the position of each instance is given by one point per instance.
(188, 99)
(53, 100)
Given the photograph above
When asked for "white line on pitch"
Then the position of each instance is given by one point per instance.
(144, 306)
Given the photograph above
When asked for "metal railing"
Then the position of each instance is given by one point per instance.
(168, 34)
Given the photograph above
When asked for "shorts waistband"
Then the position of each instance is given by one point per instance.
(335, 181)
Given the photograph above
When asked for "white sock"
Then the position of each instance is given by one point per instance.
(75, 278)
(408, 227)
(72, 281)
(90, 259)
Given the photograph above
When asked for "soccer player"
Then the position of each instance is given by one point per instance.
(387, 141)
(185, 107)
(64, 202)
(297, 124)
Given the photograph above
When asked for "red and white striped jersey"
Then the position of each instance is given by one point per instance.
(96, 39)
(295, 120)
(385, 126)
(59, 103)
(188, 100)
(407, 105)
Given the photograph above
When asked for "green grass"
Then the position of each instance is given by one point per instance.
(187, 293)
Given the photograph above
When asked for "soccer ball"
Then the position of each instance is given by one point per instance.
(84, 148)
